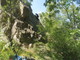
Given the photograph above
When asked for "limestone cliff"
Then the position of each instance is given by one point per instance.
(23, 27)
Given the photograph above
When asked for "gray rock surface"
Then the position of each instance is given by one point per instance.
(23, 28)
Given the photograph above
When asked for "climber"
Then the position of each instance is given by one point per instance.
(37, 16)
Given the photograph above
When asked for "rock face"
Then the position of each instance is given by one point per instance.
(24, 28)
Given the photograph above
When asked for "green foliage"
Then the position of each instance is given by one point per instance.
(61, 30)
(5, 52)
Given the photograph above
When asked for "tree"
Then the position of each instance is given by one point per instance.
(61, 28)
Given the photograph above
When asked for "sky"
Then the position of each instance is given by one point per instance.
(38, 6)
